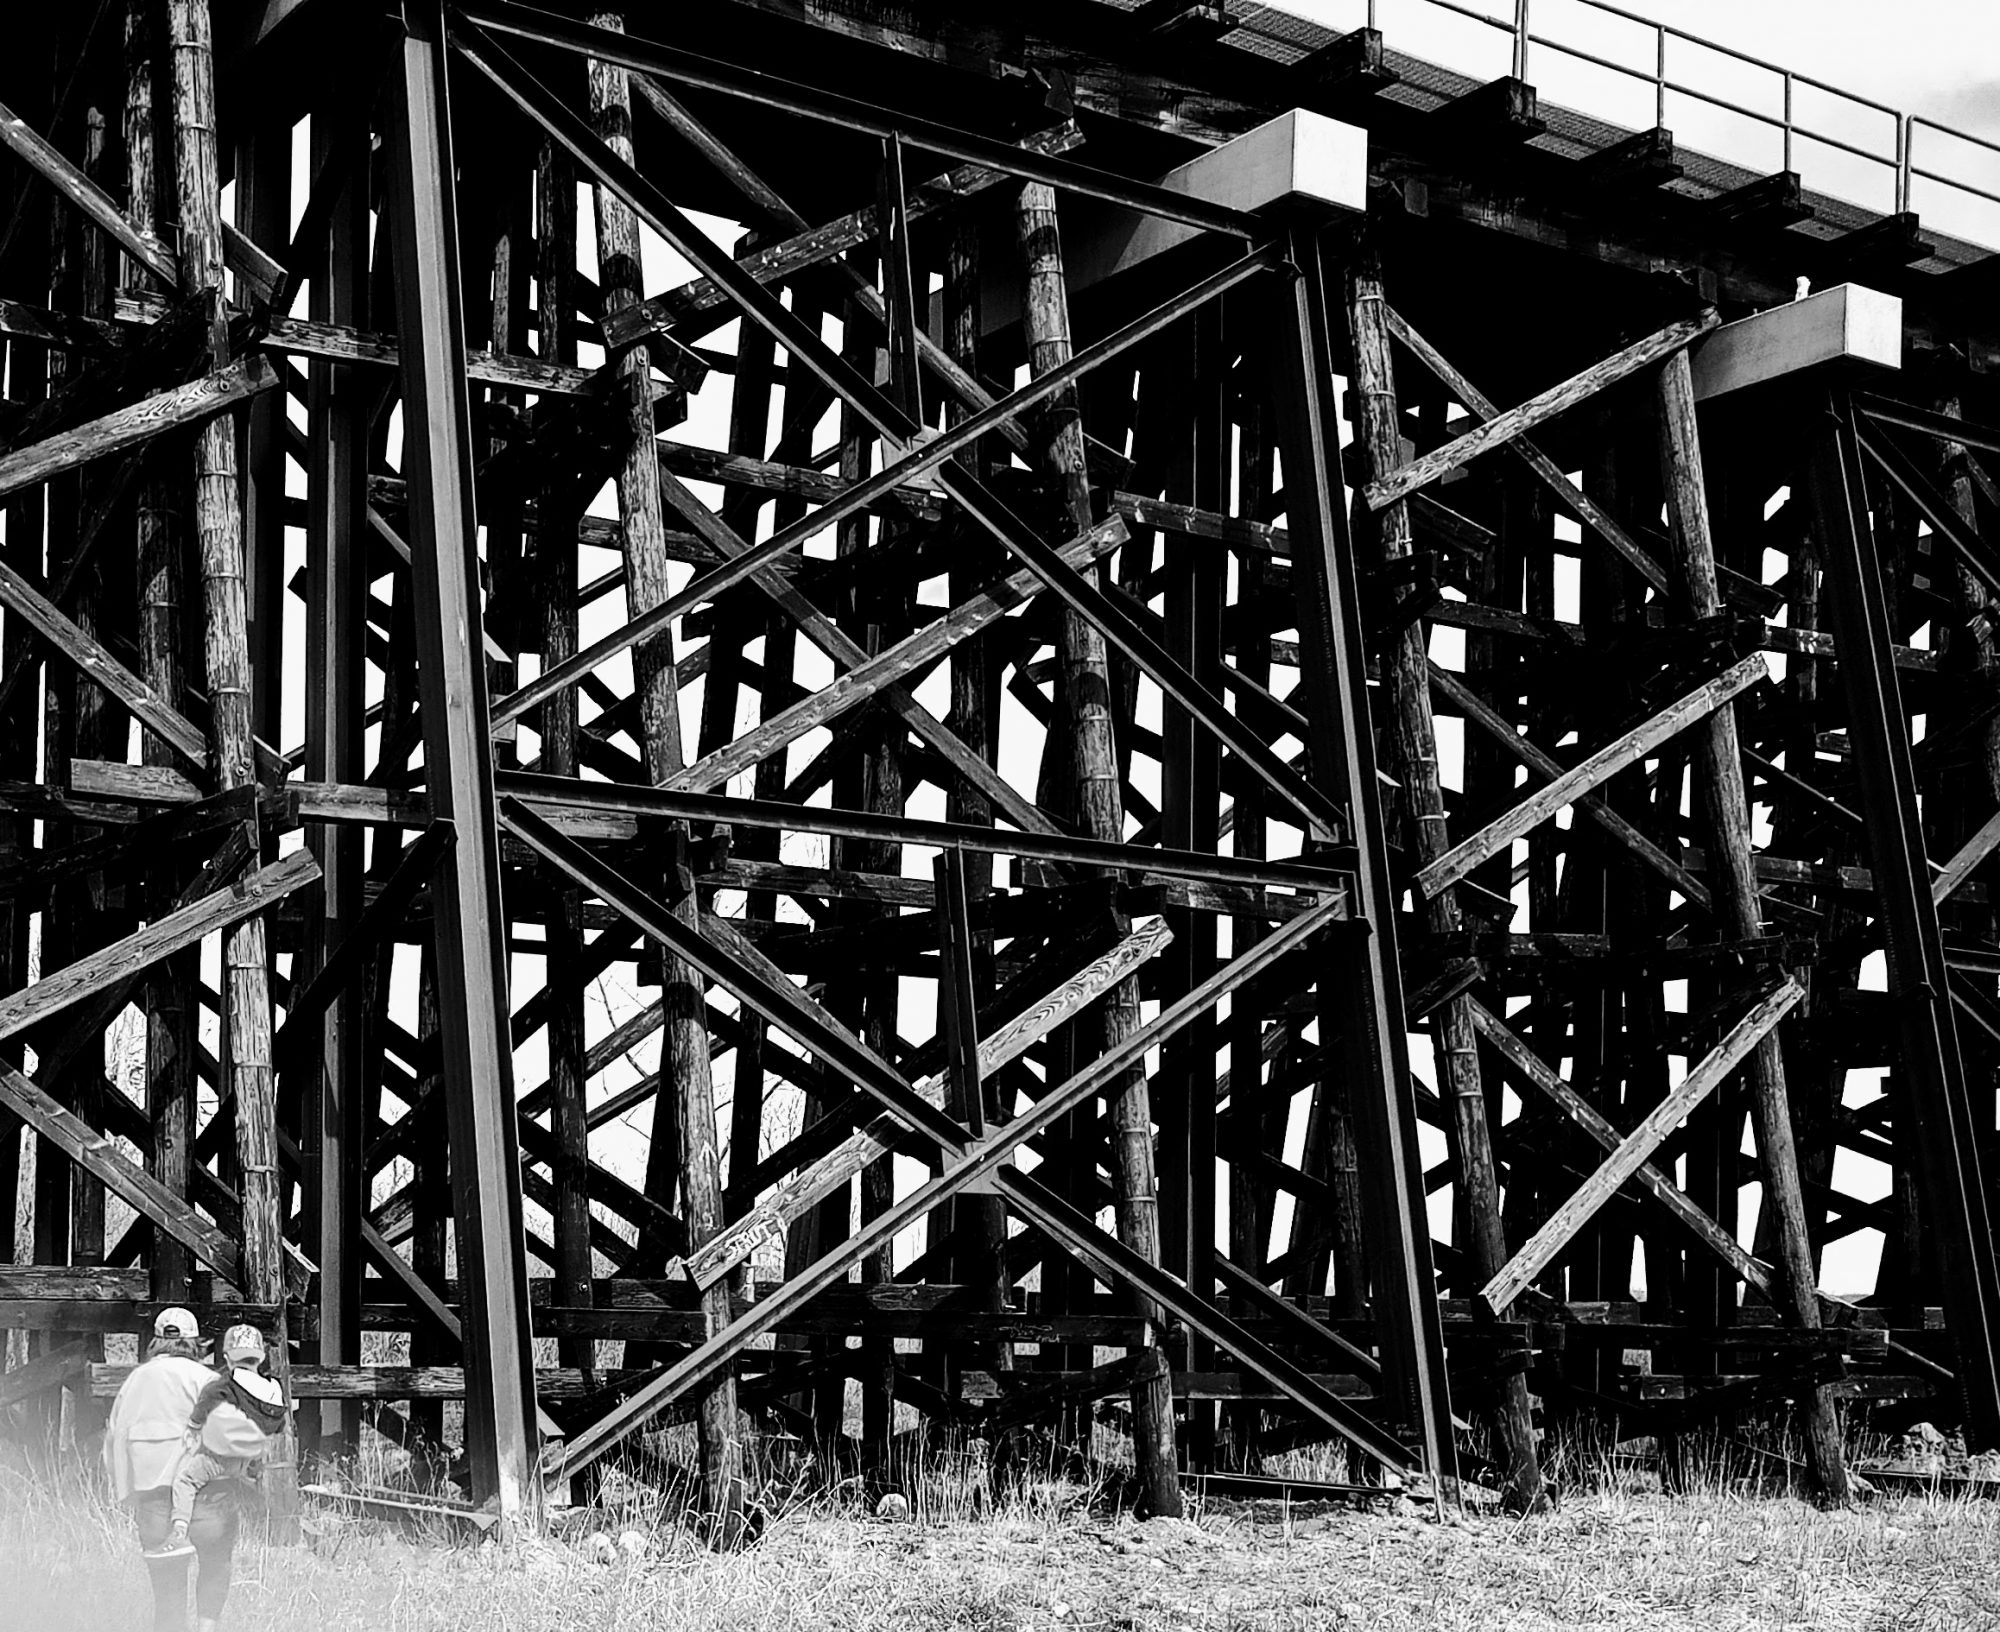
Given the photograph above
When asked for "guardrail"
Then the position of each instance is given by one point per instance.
(1898, 154)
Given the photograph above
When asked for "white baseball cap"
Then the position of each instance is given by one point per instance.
(178, 1323)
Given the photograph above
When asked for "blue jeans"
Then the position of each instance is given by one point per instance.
(213, 1533)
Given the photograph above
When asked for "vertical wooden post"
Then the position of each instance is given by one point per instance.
(263, 174)
(1719, 768)
(555, 553)
(218, 527)
(1098, 808)
(161, 547)
(684, 1063)
(1413, 762)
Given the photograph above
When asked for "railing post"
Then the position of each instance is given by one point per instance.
(1521, 39)
(1660, 81)
(1906, 134)
(1788, 122)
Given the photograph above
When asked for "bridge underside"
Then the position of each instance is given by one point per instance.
(985, 769)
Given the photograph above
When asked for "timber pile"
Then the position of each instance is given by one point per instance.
(1376, 929)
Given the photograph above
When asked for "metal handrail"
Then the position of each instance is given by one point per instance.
(1901, 159)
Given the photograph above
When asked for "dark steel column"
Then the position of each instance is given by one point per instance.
(1361, 1015)
(470, 922)
(336, 575)
(1950, 1123)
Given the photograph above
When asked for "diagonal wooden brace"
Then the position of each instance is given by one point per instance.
(981, 1159)
(769, 1219)
(891, 668)
(1599, 768)
(137, 422)
(1702, 1080)
(74, 982)
(32, 150)
(1503, 428)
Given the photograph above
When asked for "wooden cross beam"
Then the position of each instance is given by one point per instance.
(924, 455)
(826, 246)
(1632, 1152)
(126, 427)
(1586, 509)
(74, 982)
(981, 1159)
(768, 1221)
(98, 1157)
(1478, 712)
(1500, 429)
(1527, 1067)
(89, 198)
(1599, 768)
(906, 659)
(846, 652)
(97, 665)
(808, 246)
(764, 989)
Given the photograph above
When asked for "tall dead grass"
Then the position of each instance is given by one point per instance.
(1049, 1549)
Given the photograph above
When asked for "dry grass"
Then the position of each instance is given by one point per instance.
(1050, 1558)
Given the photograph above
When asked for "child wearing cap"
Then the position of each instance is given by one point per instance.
(233, 1423)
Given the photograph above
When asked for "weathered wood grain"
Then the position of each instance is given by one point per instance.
(1702, 1080)
(1503, 428)
(189, 404)
(1612, 758)
(770, 1218)
(70, 181)
(76, 981)
(97, 1156)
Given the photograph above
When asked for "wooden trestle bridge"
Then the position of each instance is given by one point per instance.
(1283, 702)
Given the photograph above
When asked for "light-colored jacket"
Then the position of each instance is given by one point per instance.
(149, 1419)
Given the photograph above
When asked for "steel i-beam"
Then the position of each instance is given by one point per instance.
(1950, 1125)
(1364, 1005)
(470, 922)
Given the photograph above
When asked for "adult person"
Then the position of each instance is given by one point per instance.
(143, 1444)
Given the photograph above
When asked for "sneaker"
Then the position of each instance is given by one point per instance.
(172, 1547)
